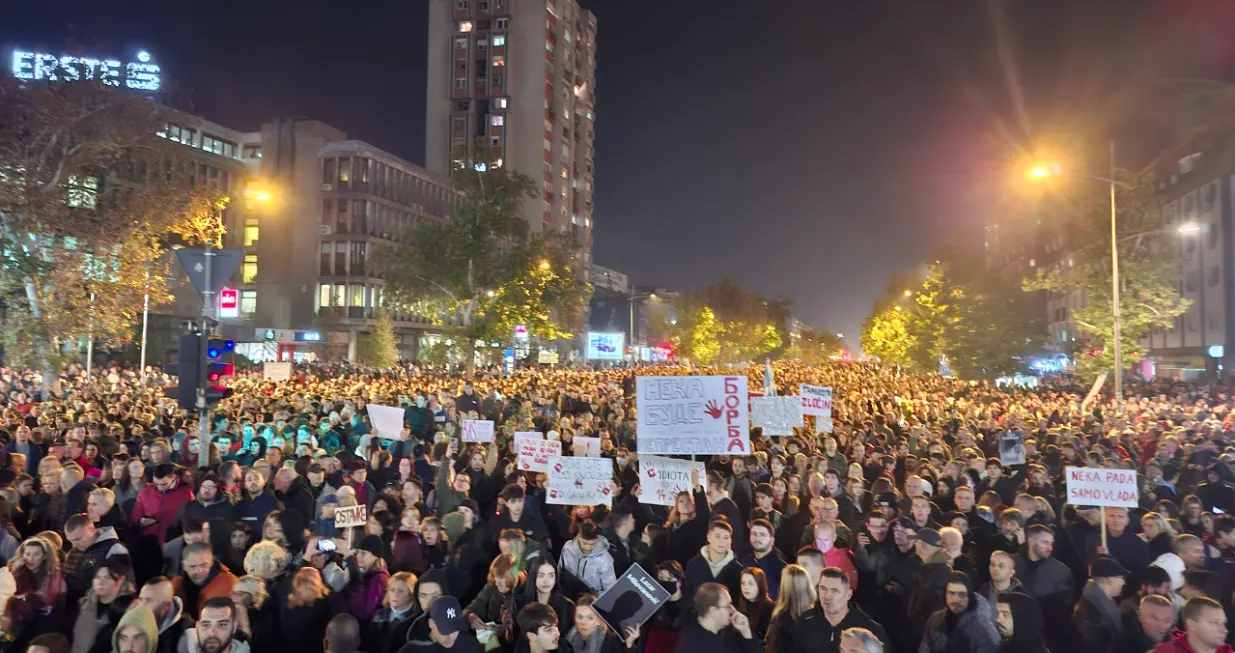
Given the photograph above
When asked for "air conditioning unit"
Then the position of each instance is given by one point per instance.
(327, 187)
(326, 230)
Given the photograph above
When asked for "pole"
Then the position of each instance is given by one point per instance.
(90, 339)
(632, 325)
(141, 370)
(1119, 359)
(1103, 526)
(203, 375)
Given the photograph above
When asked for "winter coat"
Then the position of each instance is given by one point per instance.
(297, 498)
(595, 570)
(372, 590)
(701, 569)
(771, 565)
(974, 633)
(1179, 644)
(173, 627)
(1027, 626)
(163, 507)
(1096, 620)
(92, 632)
(490, 604)
(815, 634)
(81, 576)
(782, 635)
(218, 584)
(303, 628)
(254, 511)
(696, 638)
(380, 633)
(926, 594)
(685, 540)
(219, 510)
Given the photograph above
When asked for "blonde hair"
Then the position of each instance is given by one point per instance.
(106, 494)
(307, 588)
(253, 586)
(797, 593)
(1159, 521)
(405, 577)
(266, 560)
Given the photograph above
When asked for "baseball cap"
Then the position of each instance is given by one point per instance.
(930, 536)
(1106, 567)
(447, 615)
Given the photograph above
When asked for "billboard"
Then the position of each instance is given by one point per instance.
(229, 303)
(605, 346)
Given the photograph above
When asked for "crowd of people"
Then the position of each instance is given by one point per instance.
(899, 530)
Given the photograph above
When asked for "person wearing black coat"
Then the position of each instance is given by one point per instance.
(291, 491)
(717, 628)
(1026, 625)
(1049, 581)
(1096, 617)
(820, 628)
(686, 538)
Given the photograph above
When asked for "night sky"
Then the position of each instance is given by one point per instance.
(805, 148)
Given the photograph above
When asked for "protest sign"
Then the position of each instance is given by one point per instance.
(528, 435)
(1011, 448)
(579, 481)
(476, 430)
(631, 601)
(1095, 486)
(816, 400)
(276, 371)
(823, 424)
(350, 516)
(534, 453)
(387, 421)
(660, 479)
(585, 447)
(692, 415)
(776, 415)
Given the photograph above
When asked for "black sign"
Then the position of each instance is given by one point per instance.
(631, 601)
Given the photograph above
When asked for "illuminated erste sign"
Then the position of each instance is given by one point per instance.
(140, 75)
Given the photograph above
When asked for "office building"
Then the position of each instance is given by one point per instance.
(513, 83)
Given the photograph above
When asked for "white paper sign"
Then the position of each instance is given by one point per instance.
(661, 479)
(1095, 486)
(350, 516)
(277, 371)
(534, 453)
(776, 415)
(477, 430)
(816, 400)
(692, 415)
(387, 421)
(823, 424)
(585, 447)
(529, 435)
(579, 481)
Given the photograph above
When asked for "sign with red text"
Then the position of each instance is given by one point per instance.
(816, 400)
(350, 516)
(579, 481)
(661, 479)
(534, 453)
(229, 303)
(686, 415)
(1095, 486)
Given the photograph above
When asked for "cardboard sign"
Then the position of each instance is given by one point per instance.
(661, 479)
(350, 516)
(585, 447)
(632, 600)
(1095, 486)
(277, 371)
(579, 481)
(387, 421)
(692, 415)
(776, 415)
(816, 400)
(477, 430)
(1011, 448)
(534, 453)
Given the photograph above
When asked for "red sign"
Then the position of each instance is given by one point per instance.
(229, 302)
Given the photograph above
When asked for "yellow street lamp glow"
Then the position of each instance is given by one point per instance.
(544, 265)
(1189, 228)
(908, 293)
(263, 196)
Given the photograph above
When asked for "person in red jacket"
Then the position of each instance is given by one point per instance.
(1204, 629)
(158, 504)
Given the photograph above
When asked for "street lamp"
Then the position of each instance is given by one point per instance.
(1046, 170)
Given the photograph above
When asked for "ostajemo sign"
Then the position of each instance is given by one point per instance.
(140, 75)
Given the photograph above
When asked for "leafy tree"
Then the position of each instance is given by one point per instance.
(88, 191)
(1148, 272)
(381, 348)
(886, 336)
(479, 274)
(813, 346)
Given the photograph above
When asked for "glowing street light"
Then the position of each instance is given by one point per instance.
(909, 293)
(544, 265)
(1189, 228)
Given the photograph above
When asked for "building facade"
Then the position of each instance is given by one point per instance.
(512, 83)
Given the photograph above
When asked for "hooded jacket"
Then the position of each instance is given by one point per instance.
(727, 571)
(173, 626)
(142, 617)
(594, 569)
(1026, 624)
(163, 507)
(92, 632)
(371, 588)
(974, 632)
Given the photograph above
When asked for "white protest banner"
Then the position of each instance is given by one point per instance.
(276, 371)
(1093, 392)
(816, 400)
(692, 415)
(1095, 486)
(823, 424)
(579, 481)
(776, 415)
(660, 479)
(477, 430)
(534, 453)
(350, 516)
(585, 447)
(529, 435)
(387, 421)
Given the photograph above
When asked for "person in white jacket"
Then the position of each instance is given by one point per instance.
(587, 559)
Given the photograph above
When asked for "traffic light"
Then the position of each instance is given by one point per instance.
(188, 368)
(216, 347)
(216, 369)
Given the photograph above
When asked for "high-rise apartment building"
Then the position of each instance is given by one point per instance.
(512, 83)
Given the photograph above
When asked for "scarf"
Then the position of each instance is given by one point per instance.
(592, 644)
(1105, 604)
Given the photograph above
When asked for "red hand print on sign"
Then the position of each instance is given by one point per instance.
(557, 467)
(713, 409)
(651, 472)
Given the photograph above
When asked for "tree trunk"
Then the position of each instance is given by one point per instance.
(49, 378)
(470, 370)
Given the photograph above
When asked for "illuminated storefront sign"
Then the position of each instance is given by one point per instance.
(140, 75)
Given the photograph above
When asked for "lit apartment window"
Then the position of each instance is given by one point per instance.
(499, 61)
(497, 121)
(82, 192)
(500, 102)
(248, 302)
(465, 26)
(323, 295)
(251, 233)
(248, 271)
(461, 43)
(500, 39)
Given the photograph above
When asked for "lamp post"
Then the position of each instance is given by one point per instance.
(1043, 171)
